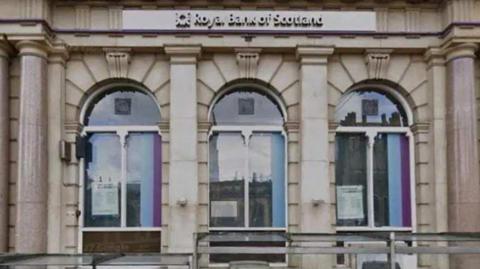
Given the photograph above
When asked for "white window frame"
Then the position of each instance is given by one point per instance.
(122, 131)
(246, 132)
(371, 133)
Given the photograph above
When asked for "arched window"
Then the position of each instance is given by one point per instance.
(247, 165)
(373, 161)
(122, 171)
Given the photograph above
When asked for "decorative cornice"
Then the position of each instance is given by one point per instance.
(465, 50)
(183, 54)
(118, 61)
(314, 51)
(247, 60)
(313, 54)
(377, 61)
(33, 48)
(434, 57)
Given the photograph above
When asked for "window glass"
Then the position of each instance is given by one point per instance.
(102, 180)
(351, 179)
(266, 180)
(123, 106)
(391, 180)
(244, 107)
(370, 108)
(227, 180)
(144, 198)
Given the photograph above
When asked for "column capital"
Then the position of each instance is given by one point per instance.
(59, 55)
(183, 54)
(465, 50)
(34, 48)
(313, 54)
(434, 57)
(5, 49)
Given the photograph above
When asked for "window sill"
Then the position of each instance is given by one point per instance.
(245, 229)
(226, 265)
(120, 229)
(373, 229)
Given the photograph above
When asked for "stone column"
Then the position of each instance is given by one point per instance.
(31, 218)
(315, 200)
(4, 145)
(462, 150)
(183, 182)
(56, 108)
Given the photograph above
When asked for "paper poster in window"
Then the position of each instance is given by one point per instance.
(350, 202)
(104, 198)
(223, 209)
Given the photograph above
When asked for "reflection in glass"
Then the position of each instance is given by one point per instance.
(266, 180)
(102, 180)
(227, 180)
(123, 106)
(351, 179)
(143, 180)
(370, 108)
(391, 180)
(243, 107)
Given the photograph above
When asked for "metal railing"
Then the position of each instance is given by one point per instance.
(207, 245)
(95, 261)
(390, 244)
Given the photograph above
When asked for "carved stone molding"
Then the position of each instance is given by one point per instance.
(115, 17)
(118, 61)
(314, 55)
(82, 17)
(183, 54)
(33, 9)
(377, 63)
(247, 60)
(412, 20)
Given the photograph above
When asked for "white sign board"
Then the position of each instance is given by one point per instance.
(104, 199)
(350, 202)
(223, 209)
(246, 20)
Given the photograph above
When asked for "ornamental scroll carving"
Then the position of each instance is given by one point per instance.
(377, 63)
(247, 60)
(118, 61)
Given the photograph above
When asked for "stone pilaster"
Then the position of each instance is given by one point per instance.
(462, 151)
(183, 182)
(56, 108)
(315, 200)
(4, 144)
(436, 75)
(31, 217)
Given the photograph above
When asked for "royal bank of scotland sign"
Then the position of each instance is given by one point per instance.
(242, 20)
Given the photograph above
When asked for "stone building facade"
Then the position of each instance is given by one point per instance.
(57, 55)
